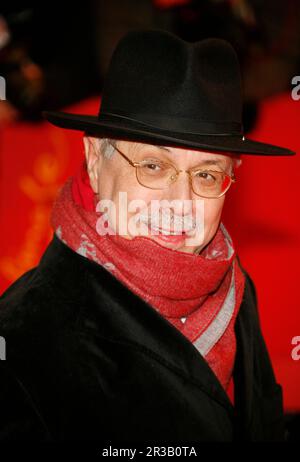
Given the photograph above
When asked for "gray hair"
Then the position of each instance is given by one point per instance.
(107, 147)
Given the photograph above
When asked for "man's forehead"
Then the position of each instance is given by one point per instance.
(204, 156)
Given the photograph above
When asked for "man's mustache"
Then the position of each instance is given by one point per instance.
(168, 221)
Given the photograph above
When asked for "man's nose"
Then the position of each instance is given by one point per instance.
(180, 189)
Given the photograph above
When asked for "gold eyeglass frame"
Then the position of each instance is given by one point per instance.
(189, 172)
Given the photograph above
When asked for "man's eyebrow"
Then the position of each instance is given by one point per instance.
(164, 148)
(154, 146)
(220, 162)
(211, 162)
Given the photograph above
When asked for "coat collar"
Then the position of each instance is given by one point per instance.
(129, 320)
(244, 362)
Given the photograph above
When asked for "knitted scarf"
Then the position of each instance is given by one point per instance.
(199, 294)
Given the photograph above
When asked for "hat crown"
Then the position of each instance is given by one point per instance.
(157, 78)
(162, 89)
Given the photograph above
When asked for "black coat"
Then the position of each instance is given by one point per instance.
(87, 359)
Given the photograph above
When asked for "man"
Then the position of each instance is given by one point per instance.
(139, 323)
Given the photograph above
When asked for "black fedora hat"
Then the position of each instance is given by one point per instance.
(160, 89)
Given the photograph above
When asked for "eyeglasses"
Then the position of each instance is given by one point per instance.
(156, 174)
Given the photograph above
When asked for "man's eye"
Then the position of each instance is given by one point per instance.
(153, 165)
(206, 176)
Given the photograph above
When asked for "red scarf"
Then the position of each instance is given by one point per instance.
(200, 294)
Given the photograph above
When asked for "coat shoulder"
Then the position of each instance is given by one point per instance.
(42, 303)
(59, 273)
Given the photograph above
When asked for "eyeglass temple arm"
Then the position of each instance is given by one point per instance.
(134, 164)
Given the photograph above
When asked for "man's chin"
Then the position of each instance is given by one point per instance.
(173, 244)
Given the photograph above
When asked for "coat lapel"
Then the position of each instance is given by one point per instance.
(244, 362)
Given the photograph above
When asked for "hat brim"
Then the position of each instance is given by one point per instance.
(116, 127)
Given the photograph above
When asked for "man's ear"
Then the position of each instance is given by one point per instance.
(238, 162)
(93, 158)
